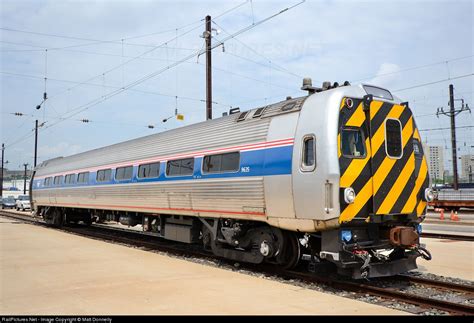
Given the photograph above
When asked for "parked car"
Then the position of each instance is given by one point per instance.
(23, 203)
(8, 203)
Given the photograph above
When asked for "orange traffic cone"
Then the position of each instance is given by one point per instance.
(454, 216)
(441, 214)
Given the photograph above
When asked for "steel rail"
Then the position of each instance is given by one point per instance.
(153, 243)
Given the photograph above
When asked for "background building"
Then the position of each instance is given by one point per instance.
(466, 162)
(435, 159)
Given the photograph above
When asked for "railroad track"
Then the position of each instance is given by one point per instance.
(394, 291)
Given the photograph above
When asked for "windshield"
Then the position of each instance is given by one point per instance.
(352, 143)
(9, 200)
(24, 198)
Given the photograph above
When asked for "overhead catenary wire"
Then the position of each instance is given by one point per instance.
(447, 128)
(277, 66)
(96, 101)
(434, 82)
(172, 65)
(114, 87)
(412, 68)
(115, 41)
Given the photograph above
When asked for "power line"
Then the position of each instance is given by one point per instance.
(279, 68)
(113, 87)
(99, 100)
(149, 92)
(430, 83)
(200, 52)
(413, 68)
(98, 41)
(446, 128)
(42, 48)
(114, 41)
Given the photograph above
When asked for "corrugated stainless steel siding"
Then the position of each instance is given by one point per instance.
(236, 195)
(217, 133)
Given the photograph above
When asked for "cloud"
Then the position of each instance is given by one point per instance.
(60, 149)
(325, 40)
(387, 75)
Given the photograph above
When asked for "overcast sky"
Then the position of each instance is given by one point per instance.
(98, 47)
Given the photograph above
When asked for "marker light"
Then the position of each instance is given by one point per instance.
(419, 229)
(346, 235)
(349, 195)
(349, 103)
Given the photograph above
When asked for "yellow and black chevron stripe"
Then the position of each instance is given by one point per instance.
(383, 185)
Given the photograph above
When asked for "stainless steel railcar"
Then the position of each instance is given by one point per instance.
(339, 174)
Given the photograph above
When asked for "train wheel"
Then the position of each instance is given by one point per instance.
(292, 251)
(58, 218)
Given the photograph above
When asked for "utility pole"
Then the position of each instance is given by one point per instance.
(208, 37)
(452, 114)
(24, 181)
(36, 142)
(1, 173)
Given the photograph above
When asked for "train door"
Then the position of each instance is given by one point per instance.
(393, 157)
(376, 158)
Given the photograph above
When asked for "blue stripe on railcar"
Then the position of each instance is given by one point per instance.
(262, 162)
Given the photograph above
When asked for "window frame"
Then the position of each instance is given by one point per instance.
(180, 159)
(356, 129)
(123, 179)
(60, 180)
(86, 178)
(303, 166)
(401, 139)
(103, 170)
(221, 172)
(159, 170)
(47, 181)
(72, 175)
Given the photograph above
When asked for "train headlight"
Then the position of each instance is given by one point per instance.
(349, 195)
(429, 195)
(346, 235)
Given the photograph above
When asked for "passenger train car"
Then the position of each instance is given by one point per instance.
(338, 174)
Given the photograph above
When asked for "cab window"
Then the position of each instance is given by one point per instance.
(352, 143)
(308, 162)
(393, 138)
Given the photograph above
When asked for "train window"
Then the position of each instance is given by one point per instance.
(47, 181)
(58, 180)
(83, 177)
(124, 173)
(69, 179)
(308, 162)
(221, 163)
(149, 170)
(352, 143)
(378, 92)
(180, 167)
(393, 138)
(104, 175)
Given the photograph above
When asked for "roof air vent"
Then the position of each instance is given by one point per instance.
(242, 116)
(234, 110)
(259, 112)
(288, 106)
